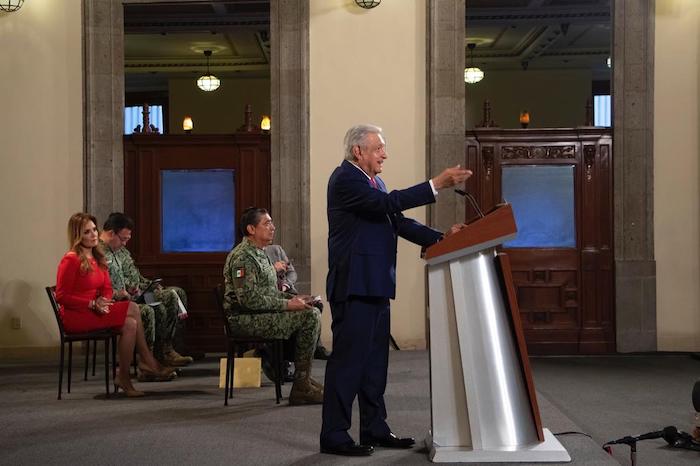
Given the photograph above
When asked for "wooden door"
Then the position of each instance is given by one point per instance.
(564, 279)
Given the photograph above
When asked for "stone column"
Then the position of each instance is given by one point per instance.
(633, 104)
(446, 102)
(289, 75)
(103, 52)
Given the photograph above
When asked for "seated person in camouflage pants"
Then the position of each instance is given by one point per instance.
(255, 306)
(286, 281)
(160, 322)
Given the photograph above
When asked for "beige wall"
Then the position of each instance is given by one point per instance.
(554, 98)
(217, 112)
(676, 174)
(368, 66)
(41, 159)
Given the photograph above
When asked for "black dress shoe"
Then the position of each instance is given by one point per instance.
(349, 449)
(321, 353)
(390, 441)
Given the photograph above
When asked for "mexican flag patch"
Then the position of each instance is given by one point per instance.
(240, 272)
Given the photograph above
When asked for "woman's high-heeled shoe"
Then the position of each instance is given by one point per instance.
(130, 392)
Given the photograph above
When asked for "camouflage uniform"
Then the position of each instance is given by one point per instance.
(159, 322)
(256, 307)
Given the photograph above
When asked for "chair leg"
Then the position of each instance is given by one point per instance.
(228, 371)
(230, 374)
(135, 364)
(87, 359)
(60, 369)
(70, 362)
(94, 357)
(278, 361)
(106, 366)
(114, 357)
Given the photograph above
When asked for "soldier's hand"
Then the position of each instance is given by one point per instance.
(297, 304)
(280, 266)
(450, 177)
(122, 294)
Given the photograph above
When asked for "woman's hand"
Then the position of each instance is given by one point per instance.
(101, 305)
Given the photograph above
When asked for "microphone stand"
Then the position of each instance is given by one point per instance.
(633, 453)
(472, 201)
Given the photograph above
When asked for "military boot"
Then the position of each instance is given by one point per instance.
(305, 391)
(173, 358)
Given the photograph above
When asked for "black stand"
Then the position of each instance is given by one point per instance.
(393, 343)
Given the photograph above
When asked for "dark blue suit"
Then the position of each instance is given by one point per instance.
(364, 224)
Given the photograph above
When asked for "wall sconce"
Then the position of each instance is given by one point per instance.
(367, 4)
(187, 124)
(11, 5)
(524, 118)
(265, 123)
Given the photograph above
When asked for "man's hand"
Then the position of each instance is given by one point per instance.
(122, 294)
(280, 266)
(297, 304)
(450, 177)
(454, 229)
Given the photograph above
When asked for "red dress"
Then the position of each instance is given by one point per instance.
(74, 291)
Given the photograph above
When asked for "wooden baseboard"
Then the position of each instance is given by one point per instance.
(30, 353)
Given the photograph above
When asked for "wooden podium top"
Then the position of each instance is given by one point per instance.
(497, 227)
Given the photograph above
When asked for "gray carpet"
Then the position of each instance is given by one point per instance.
(185, 422)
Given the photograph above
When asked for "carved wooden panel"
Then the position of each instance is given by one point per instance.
(197, 273)
(566, 295)
(538, 152)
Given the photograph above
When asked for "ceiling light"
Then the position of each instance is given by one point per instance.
(472, 74)
(367, 4)
(11, 5)
(207, 82)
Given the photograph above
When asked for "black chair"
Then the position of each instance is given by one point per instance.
(232, 342)
(104, 335)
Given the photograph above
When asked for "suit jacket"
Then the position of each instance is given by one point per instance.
(363, 226)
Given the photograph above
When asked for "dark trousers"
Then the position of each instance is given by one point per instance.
(357, 367)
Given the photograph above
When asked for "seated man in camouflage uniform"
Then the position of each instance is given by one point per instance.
(160, 322)
(256, 307)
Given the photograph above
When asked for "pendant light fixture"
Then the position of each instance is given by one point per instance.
(11, 5)
(208, 82)
(473, 74)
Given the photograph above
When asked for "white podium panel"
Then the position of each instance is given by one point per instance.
(480, 407)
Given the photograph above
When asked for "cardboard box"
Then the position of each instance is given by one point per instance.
(246, 372)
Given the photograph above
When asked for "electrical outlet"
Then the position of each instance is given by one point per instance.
(16, 323)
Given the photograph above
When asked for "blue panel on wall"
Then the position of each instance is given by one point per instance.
(542, 197)
(198, 210)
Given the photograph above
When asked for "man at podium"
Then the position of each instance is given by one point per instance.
(364, 221)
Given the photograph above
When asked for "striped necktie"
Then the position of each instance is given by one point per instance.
(373, 183)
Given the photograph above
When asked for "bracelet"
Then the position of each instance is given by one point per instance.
(92, 305)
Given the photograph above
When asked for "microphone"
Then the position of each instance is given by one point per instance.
(472, 201)
(682, 440)
(670, 434)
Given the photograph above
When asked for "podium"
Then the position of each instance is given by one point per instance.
(483, 401)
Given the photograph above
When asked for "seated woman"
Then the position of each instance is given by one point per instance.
(84, 292)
